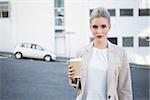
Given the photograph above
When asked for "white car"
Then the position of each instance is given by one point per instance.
(31, 50)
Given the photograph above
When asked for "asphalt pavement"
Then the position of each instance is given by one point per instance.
(28, 79)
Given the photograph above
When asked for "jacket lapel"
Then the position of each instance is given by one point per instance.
(87, 57)
(111, 69)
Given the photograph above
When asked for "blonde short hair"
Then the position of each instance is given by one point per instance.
(100, 12)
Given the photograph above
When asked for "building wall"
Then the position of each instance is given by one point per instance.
(30, 21)
(76, 25)
(33, 21)
(5, 34)
(77, 21)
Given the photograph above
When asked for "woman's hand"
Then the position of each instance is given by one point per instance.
(71, 72)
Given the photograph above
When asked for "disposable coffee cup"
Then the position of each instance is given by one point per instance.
(76, 62)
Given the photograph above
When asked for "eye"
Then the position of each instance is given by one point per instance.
(95, 27)
(103, 26)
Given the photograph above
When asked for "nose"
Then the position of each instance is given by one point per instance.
(99, 30)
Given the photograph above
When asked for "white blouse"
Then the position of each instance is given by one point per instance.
(97, 75)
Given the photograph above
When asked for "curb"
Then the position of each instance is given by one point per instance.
(6, 54)
(63, 59)
(133, 65)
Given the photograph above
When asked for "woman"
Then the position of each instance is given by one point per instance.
(105, 71)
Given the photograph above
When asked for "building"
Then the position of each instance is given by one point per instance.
(130, 25)
(26, 21)
(62, 26)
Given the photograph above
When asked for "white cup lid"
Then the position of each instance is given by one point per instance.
(75, 59)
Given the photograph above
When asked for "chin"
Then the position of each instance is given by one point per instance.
(101, 40)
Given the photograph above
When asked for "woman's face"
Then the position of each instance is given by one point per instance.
(100, 28)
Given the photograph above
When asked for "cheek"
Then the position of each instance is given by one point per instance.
(93, 32)
(106, 31)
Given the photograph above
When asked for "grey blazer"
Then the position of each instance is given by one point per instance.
(118, 76)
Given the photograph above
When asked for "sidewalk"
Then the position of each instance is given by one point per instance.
(63, 59)
(6, 54)
(10, 55)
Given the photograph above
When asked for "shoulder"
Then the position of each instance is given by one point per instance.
(120, 55)
(117, 49)
(83, 50)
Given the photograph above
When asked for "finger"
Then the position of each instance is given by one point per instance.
(70, 66)
(71, 77)
(71, 73)
(71, 70)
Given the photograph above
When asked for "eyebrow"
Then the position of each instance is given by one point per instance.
(100, 25)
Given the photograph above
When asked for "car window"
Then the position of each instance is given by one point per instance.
(25, 45)
(33, 46)
(38, 47)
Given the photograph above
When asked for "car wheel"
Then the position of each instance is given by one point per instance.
(47, 58)
(18, 55)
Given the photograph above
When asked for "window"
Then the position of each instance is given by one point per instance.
(59, 3)
(144, 12)
(90, 11)
(126, 12)
(59, 30)
(127, 41)
(59, 16)
(59, 21)
(59, 12)
(4, 10)
(113, 40)
(112, 12)
(144, 41)
(26, 45)
(33, 46)
(39, 48)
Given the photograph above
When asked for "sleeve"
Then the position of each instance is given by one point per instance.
(124, 81)
(75, 84)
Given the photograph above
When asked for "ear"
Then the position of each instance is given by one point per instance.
(109, 26)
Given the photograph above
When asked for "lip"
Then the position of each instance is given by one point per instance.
(100, 36)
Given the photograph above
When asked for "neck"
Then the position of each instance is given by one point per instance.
(101, 45)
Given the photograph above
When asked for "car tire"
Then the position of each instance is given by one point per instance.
(18, 55)
(48, 58)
